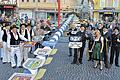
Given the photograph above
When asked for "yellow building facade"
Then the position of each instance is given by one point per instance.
(42, 9)
(106, 8)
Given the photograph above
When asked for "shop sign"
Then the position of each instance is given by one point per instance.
(8, 6)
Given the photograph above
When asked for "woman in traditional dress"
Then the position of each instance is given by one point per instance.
(98, 49)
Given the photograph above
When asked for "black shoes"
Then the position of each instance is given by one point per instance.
(95, 66)
(77, 63)
(20, 67)
(73, 63)
(81, 63)
(14, 67)
(117, 65)
(4, 62)
(69, 55)
(101, 69)
(89, 59)
(1, 58)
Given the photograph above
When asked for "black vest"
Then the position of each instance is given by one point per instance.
(114, 40)
(4, 38)
(13, 41)
(83, 37)
(26, 35)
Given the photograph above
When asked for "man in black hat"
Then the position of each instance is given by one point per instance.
(4, 35)
(115, 47)
(24, 50)
(13, 42)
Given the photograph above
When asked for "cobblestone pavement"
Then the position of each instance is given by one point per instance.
(62, 69)
(6, 70)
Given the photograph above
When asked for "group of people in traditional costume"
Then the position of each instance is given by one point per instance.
(103, 44)
(12, 38)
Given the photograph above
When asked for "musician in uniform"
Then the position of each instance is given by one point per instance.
(115, 47)
(24, 50)
(30, 34)
(4, 35)
(13, 42)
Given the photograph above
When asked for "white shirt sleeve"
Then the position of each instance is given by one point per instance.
(102, 39)
(118, 40)
(1, 35)
(8, 40)
(32, 33)
(22, 37)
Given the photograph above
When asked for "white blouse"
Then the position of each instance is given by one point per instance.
(101, 39)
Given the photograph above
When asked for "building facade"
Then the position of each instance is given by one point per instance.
(106, 9)
(44, 9)
(8, 7)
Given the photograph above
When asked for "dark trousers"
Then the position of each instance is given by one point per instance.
(75, 56)
(38, 45)
(70, 51)
(78, 54)
(105, 55)
(90, 46)
(90, 55)
(81, 51)
(114, 52)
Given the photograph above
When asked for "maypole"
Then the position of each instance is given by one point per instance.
(59, 14)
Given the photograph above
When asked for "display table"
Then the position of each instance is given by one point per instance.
(28, 44)
(38, 38)
(33, 64)
(42, 51)
(49, 43)
(22, 76)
